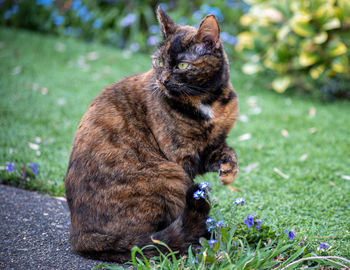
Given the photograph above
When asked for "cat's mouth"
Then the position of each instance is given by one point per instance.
(161, 86)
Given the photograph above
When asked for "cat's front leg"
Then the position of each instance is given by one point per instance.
(224, 160)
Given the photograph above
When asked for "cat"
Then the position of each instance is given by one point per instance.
(143, 140)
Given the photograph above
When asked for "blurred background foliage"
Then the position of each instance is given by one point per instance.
(303, 43)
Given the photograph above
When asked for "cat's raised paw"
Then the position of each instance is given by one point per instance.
(227, 173)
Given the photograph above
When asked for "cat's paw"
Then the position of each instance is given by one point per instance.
(228, 173)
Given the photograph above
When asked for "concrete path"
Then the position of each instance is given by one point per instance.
(34, 232)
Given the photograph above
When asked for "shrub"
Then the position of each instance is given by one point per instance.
(129, 25)
(304, 42)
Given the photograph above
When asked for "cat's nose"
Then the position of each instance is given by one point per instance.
(165, 78)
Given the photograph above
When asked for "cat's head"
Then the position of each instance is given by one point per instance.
(189, 61)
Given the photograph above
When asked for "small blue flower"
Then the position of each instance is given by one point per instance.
(234, 243)
(14, 9)
(164, 6)
(58, 20)
(34, 167)
(128, 19)
(153, 29)
(323, 246)
(10, 166)
(68, 31)
(134, 47)
(249, 221)
(44, 3)
(199, 194)
(239, 201)
(285, 231)
(258, 222)
(220, 224)
(7, 14)
(152, 40)
(211, 228)
(76, 4)
(82, 11)
(226, 37)
(97, 23)
(206, 9)
(197, 15)
(205, 186)
(210, 221)
(291, 234)
(212, 242)
(183, 21)
(78, 32)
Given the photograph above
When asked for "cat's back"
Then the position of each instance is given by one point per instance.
(114, 121)
(116, 108)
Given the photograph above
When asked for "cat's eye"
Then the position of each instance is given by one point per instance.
(182, 65)
(159, 62)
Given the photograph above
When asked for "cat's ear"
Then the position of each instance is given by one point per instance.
(168, 26)
(209, 32)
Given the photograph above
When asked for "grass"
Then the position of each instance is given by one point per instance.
(46, 85)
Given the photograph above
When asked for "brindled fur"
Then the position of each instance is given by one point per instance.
(144, 139)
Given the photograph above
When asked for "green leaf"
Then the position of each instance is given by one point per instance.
(340, 64)
(336, 48)
(301, 26)
(308, 59)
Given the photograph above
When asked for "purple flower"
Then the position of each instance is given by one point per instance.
(128, 19)
(97, 23)
(291, 235)
(249, 221)
(220, 224)
(258, 222)
(212, 242)
(34, 167)
(10, 166)
(198, 194)
(205, 186)
(323, 246)
(239, 201)
(152, 40)
(234, 243)
(285, 231)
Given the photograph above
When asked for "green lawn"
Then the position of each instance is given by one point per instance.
(46, 85)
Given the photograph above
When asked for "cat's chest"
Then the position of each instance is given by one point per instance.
(181, 134)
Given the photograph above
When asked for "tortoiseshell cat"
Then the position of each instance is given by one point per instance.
(142, 142)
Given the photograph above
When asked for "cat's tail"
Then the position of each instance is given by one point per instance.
(178, 236)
